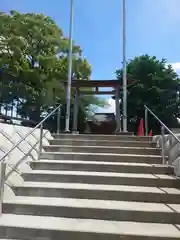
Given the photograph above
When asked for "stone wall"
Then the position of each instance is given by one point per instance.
(10, 135)
(172, 150)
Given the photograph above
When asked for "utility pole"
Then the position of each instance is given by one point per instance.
(124, 70)
(68, 94)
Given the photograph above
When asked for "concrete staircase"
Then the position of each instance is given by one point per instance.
(88, 187)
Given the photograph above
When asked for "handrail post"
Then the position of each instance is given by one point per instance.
(118, 112)
(75, 111)
(162, 144)
(2, 182)
(40, 141)
(58, 120)
(146, 121)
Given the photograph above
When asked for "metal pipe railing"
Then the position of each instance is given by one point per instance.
(29, 133)
(162, 124)
(146, 121)
(58, 120)
(14, 167)
(163, 128)
(3, 158)
(2, 182)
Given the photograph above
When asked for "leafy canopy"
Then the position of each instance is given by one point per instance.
(157, 86)
(34, 62)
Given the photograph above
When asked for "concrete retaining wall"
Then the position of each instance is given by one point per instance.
(10, 135)
(172, 150)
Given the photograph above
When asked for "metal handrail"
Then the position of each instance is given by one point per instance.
(14, 167)
(162, 124)
(3, 175)
(29, 133)
(163, 127)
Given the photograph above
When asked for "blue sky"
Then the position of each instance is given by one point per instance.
(152, 28)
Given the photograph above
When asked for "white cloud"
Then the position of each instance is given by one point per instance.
(111, 105)
(110, 108)
(176, 66)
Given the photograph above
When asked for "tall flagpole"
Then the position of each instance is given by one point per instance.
(68, 94)
(124, 70)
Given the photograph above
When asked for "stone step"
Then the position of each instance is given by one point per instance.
(102, 149)
(98, 191)
(119, 167)
(125, 133)
(105, 157)
(102, 137)
(85, 142)
(109, 178)
(53, 228)
(94, 209)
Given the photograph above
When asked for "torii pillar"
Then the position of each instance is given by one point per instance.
(94, 86)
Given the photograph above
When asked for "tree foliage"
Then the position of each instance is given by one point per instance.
(34, 62)
(157, 87)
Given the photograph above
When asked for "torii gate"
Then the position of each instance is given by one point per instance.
(95, 86)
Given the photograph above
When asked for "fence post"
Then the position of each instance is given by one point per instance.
(162, 144)
(58, 120)
(2, 182)
(40, 141)
(146, 121)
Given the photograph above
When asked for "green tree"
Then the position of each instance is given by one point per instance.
(157, 86)
(34, 62)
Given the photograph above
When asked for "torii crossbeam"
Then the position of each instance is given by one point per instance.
(94, 86)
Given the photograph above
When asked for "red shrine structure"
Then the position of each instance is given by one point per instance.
(94, 87)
